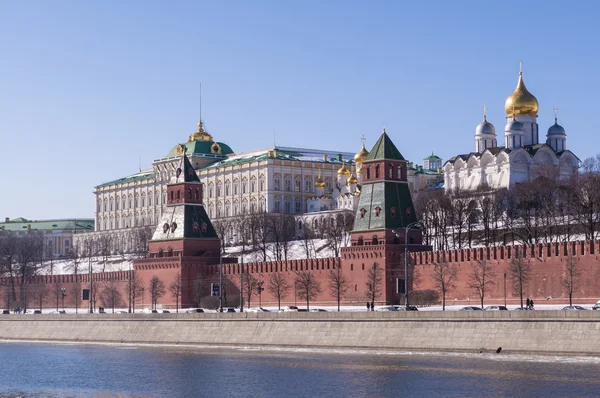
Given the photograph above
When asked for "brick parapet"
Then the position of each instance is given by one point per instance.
(541, 251)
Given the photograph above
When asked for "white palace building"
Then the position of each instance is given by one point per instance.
(272, 180)
(521, 158)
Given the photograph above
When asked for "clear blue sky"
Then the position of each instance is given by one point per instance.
(89, 87)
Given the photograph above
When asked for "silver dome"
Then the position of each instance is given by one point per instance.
(485, 127)
(514, 125)
(556, 129)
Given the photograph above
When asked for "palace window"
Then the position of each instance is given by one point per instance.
(277, 206)
(218, 189)
(298, 206)
(227, 189)
(244, 186)
(261, 184)
(307, 185)
(253, 186)
(277, 184)
(288, 185)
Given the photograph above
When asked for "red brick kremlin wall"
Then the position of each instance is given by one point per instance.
(545, 285)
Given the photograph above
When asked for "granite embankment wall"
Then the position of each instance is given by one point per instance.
(573, 332)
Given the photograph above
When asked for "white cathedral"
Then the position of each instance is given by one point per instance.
(522, 158)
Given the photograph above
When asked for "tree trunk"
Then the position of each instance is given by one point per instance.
(443, 301)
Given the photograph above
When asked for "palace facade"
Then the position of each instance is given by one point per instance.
(273, 180)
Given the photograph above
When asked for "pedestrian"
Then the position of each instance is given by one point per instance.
(372, 306)
(531, 303)
(528, 303)
(368, 306)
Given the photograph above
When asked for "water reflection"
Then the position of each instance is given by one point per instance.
(66, 370)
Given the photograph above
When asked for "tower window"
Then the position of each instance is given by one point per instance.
(362, 213)
(390, 172)
(393, 211)
(377, 171)
(368, 173)
(377, 211)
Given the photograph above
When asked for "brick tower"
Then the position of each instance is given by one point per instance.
(184, 241)
(383, 218)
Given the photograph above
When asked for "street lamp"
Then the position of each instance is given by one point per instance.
(295, 295)
(505, 289)
(220, 279)
(408, 227)
(260, 290)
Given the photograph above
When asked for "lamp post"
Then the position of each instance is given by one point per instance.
(295, 295)
(260, 290)
(220, 279)
(408, 227)
(64, 293)
(505, 289)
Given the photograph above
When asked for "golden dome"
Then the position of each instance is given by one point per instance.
(352, 180)
(319, 183)
(361, 155)
(201, 134)
(344, 171)
(521, 101)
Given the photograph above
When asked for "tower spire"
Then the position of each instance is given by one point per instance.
(555, 115)
(484, 113)
(200, 120)
(520, 67)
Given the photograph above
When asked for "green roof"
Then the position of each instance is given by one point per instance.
(135, 177)
(201, 148)
(385, 195)
(21, 224)
(384, 148)
(432, 157)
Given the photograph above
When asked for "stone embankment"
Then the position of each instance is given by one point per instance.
(543, 332)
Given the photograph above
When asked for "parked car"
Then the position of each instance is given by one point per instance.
(290, 308)
(317, 310)
(37, 312)
(404, 308)
(302, 310)
(191, 310)
(495, 308)
(387, 308)
(257, 310)
(166, 312)
(228, 309)
(574, 307)
(523, 309)
(5, 312)
(155, 311)
(470, 308)
(596, 306)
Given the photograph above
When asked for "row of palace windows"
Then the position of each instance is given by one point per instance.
(129, 203)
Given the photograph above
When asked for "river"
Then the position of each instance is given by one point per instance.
(51, 370)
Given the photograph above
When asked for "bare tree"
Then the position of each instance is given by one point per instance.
(572, 275)
(104, 244)
(520, 273)
(307, 236)
(278, 287)
(135, 289)
(481, 278)
(250, 283)
(39, 292)
(57, 294)
(8, 266)
(74, 257)
(111, 296)
(28, 248)
(444, 279)
(141, 238)
(157, 290)
(338, 284)
(198, 289)
(374, 281)
(76, 293)
(175, 290)
(307, 285)
(335, 231)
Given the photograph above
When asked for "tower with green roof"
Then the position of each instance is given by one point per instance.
(384, 217)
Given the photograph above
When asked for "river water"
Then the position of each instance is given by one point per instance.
(45, 370)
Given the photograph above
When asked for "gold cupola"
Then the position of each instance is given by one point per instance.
(361, 155)
(521, 101)
(344, 171)
(352, 180)
(201, 134)
(319, 183)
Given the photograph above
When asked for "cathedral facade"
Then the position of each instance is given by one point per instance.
(520, 157)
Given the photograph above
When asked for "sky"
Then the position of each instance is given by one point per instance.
(89, 90)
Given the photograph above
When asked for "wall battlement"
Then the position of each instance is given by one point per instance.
(540, 251)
